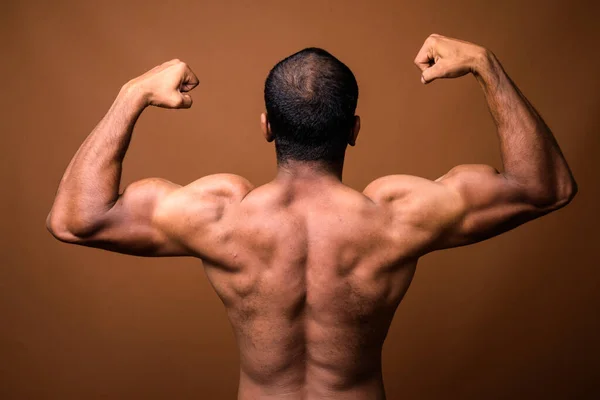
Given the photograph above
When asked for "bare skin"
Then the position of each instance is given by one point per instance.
(309, 270)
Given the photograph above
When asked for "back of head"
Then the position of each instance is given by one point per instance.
(311, 98)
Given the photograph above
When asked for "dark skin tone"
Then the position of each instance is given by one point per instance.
(311, 271)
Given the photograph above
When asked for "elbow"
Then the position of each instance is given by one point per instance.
(59, 228)
(568, 193)
(559, 197)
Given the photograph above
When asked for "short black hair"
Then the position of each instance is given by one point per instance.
(311, 98)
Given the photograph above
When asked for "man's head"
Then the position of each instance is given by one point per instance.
(310, 98)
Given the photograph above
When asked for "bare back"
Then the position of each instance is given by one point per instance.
(311, 277)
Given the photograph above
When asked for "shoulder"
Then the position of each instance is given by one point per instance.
(393, 187)
(396, 187)
(416, 199)
(229, 186)
(206, 198)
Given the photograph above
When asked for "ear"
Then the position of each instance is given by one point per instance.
(265, 126)
(354, 132)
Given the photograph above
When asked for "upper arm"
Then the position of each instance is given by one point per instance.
(469, 204)
(129, 225)
(153, 217)
(488, 204)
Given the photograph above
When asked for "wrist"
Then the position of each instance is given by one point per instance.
(486, 67)
(482, 60)
(134, 93)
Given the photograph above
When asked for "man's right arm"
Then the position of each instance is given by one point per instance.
(475, 202)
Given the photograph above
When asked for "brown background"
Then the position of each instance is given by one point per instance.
(514, 317)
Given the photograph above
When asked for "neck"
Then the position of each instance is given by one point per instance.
(309, 171)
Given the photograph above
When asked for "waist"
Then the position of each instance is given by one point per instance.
(313, 383)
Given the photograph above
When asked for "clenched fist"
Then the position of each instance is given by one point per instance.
(166, 85)
(444, 57)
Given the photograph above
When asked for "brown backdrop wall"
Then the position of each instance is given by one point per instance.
(514, 317)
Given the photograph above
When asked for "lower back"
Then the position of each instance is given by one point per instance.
(311, 389)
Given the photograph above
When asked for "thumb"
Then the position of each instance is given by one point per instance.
(186, 100)
(432, 73)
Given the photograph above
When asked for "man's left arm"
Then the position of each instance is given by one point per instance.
(88, 208)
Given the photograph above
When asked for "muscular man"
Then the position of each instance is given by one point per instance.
(309, 270)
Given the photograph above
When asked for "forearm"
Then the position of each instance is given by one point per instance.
(90, 184)
(530, 153)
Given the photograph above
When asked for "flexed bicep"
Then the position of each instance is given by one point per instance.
(487, 204)
(130, 225)
(469, 204)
